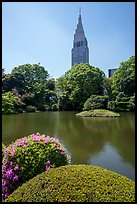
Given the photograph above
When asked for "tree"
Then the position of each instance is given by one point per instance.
(11, 103)
(31, 83)
(123, 79)
(31, 75)
(82, 81)
(107, 83)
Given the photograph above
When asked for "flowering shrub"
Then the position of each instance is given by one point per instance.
(29, 156)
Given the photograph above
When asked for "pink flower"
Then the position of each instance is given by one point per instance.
(54, 140)
(5, 195)
(46, 141)
(3, 167)
(19, 143)
(62, 153)
(24, 146)
(3, 182)
(36, 137)
(25, 152)
(9, 174)
(59, 148)
(13, 152)
(11, 186)
(47, 165)
(16, 168)
(11, 162)
(15, 178)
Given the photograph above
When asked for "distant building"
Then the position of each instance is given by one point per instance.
(111, 72)
(80, 50)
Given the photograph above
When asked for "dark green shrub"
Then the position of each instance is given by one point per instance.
(122, 106)
(118, 106)
(31, 108)
(54, 107)
(111, 105)
(131, 105)
(64, 102)
(96, 102)
(122, 103)
(29, 156)
(76, 183)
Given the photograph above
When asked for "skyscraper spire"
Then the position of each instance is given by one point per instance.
(80, 51)
(79, 18)
(79, 11)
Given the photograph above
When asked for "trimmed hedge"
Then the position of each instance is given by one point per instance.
(98, 113)
(79, 183)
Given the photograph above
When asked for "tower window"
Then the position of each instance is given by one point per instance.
(78, 44)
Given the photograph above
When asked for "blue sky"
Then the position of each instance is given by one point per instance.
(42, 32)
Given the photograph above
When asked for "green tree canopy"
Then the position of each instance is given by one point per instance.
(123, 79)
(82, 81)
(32, 84)
(32, 75)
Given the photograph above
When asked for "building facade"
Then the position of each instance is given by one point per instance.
(111, 72)
(80, 50)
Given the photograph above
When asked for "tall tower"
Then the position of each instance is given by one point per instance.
(80, 51)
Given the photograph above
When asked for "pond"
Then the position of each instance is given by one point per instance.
(104, 142)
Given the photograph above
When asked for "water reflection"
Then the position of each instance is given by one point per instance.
(89, 140)
(112, 161)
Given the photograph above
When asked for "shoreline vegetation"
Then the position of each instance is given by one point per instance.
(98, 113)
(30, 88)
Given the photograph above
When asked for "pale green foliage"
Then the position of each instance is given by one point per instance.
(10, 103)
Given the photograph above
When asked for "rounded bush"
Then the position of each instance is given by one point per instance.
(29, 156)
(76, 183)
(98, 113)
